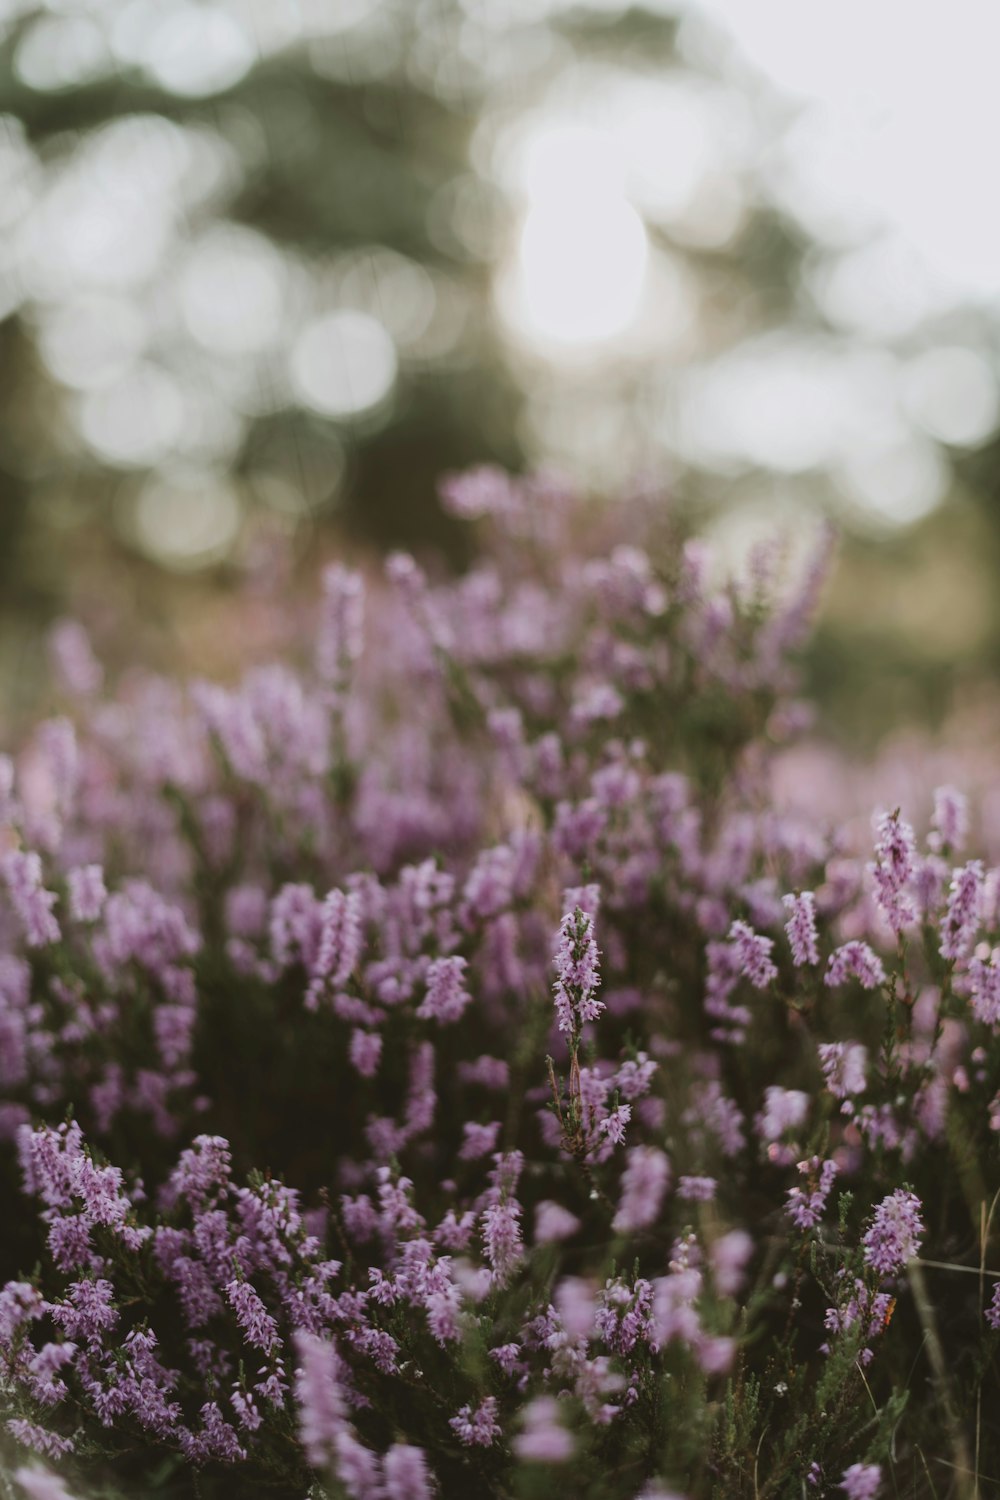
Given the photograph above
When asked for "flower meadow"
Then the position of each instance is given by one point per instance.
(434, 1065)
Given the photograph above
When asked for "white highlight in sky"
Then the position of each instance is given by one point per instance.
(900, 120)
(582, 254)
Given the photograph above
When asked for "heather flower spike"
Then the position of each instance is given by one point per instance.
(894, 868)
(577, 973)
(801, 927)
(961, 922)
(895, 1234)
(753, 955)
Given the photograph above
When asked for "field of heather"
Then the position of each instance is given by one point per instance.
(454, 1057)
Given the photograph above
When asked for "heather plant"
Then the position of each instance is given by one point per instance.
(432, 1063)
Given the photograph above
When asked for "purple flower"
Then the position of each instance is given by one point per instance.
(357, 1467)
(490, 886)
(89, 1313)
(482, 491)
(554, 1223)
(624, 1317)
(784, 1109)
(318, 1397)
(202, 1171)
(80, 1195)
(928, 884)
(506, 1356)
(711, 1112)
(479, 1428)
(577, 973)
(217, 1439)
(634, 1077)
(993, 1311)
(39, 1439)
(340, 636)
(613, 1125)
(32, 902)
(644, 1182)
(42, 1376)
(861, 1481)
(729, 1256)
(985, 990)
(801, 927)
(77, 669)
(478, 1140)
(339, 947)
(696, 1189)
(405, 1473)
(87, 893)
(950, 820)
(258, 1326)
(543, 1438)
(489, 1072)
(895, 1233)
(859, 1304)
(443, 1306)
(41, 1484)
(143, 928)
(296, 926)
(365, 1052)
(958, 930)
(844, 1065)
(20, 1303)
(753, 955)
(855, 959)
(806, 1206)
(502, 1239)
(894, 868)
(446, 997)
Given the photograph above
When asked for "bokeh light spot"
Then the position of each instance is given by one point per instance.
(135, 421)
(899, 483)
(232, 291)
(343, 364)
(583, 249)
(187, 519)
(59, 52)
(197, 50)
(89, 342)
(952, 394)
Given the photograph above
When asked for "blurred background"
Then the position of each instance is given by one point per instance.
(269, 267)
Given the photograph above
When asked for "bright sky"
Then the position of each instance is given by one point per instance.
(901, 124)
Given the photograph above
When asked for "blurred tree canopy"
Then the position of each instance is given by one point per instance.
(266, 273)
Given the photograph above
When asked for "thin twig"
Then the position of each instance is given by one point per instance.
(935, 1353)
(944, 1265)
